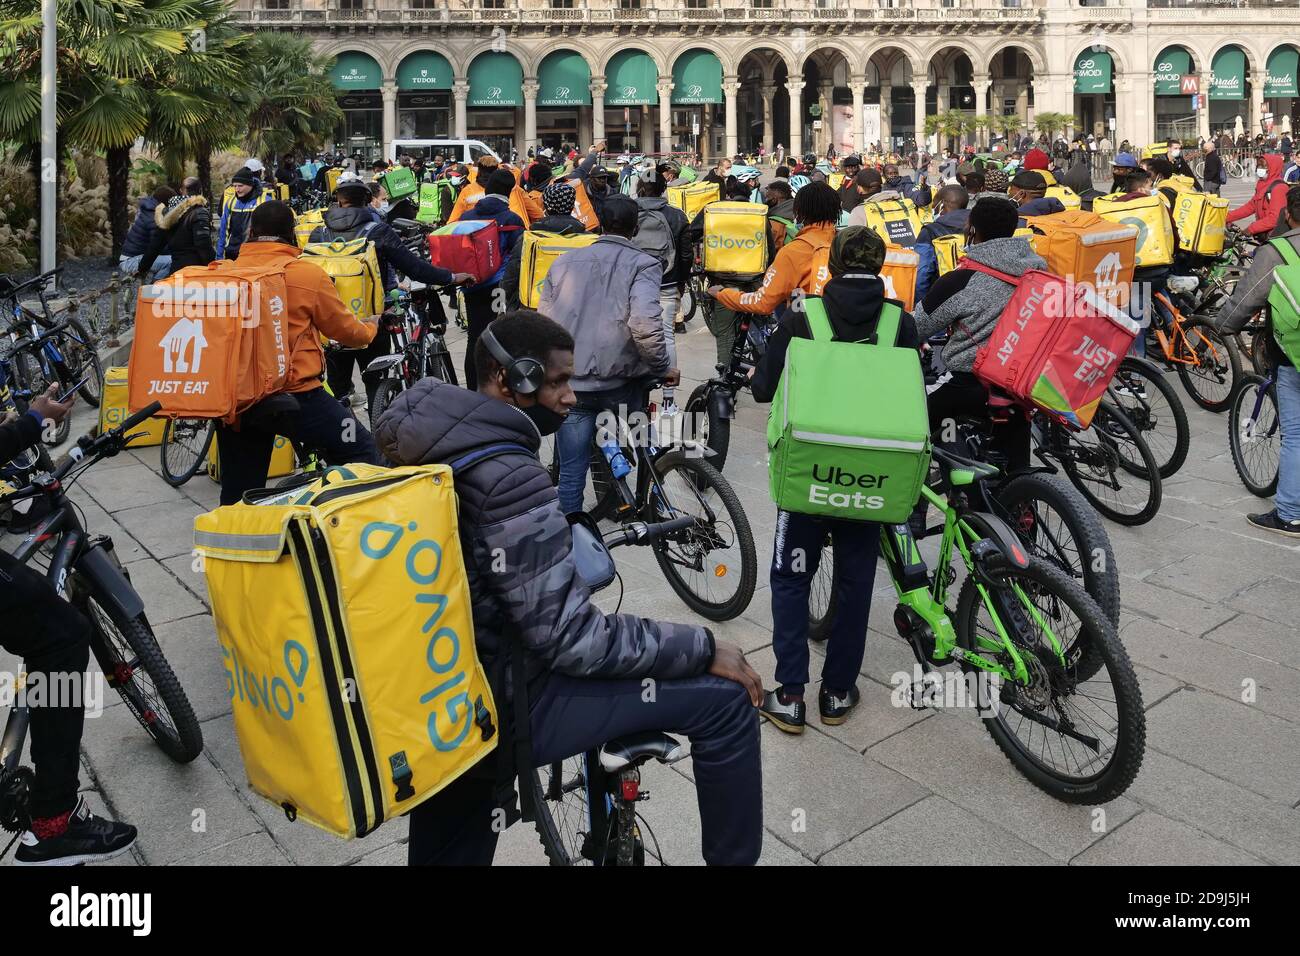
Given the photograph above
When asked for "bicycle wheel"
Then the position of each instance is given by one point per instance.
(706, 426)
(574, 829)
(821, 611)
(1255, 437)
(1213, 378)
(1078, 736)
(82, 358)
(1149, 400)
(712, 565)
(1112, 467)
(135, 667)
(388, 390)
(689, 304)
(1059, 526)
(184, 449)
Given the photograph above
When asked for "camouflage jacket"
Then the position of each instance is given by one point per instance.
(518, 547)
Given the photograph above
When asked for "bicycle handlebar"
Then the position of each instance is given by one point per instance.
(93, 446)
(640, 532)
(35, 280)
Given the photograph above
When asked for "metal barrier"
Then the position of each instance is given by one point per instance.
(106, 312)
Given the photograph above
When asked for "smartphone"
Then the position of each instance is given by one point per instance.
(68, 394)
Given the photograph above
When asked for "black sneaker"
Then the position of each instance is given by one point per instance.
(835, 709)
(88, 839)
(789, 717)
(1271, 522)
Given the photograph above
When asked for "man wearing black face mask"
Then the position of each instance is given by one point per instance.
(583, 671)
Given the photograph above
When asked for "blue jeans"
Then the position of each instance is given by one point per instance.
(573, 440)
(1288, 410)
(161, 268)
(796, 556)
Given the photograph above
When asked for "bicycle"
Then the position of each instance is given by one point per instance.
(712, 406)
(1255, 435)
(184, 448)
(714, 547)
(1208, 363)
(1142, 393)
(68, 353)
(84, 569)
(420, 348)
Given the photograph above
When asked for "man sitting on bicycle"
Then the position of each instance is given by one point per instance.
(53, 639)
(967, 304)
(587, 670)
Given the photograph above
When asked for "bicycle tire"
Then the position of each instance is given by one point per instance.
(703, 476)
(1242, 405)
(1109, 417)
(556, 839)
(1227, 361)
(1103, 644)
(388, 390)
(185, 743)
(1097, 569)
(687, 312)
(29, 371)
(94, 387)
(1170, 455)
(178, 476)
(821, 593)
(717, 430)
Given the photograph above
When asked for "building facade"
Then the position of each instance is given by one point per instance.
(725, 76)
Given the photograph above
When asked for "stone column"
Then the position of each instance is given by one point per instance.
(886, 109)
(768, 91)
(858, 82)
(943, 100)
(1144, 111)
(795, 89)
(1203, 116)
(389, 92)
(531, 89)
(730, 90)
(460, 90)
(597, 88)
(665, 89)
(918, 91)
(1257, 107)
(825, 97)
(981, 83)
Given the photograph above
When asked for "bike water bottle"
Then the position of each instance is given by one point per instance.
(618, 462)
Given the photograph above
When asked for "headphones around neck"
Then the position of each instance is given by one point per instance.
(524, 375)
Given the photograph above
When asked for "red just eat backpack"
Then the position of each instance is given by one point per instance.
(1056, 346)
(468, 245)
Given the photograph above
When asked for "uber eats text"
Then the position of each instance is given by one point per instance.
(828, 476)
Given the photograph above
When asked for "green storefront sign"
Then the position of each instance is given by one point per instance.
(1092, 72)
(1170, 66)
(630, 80)
(697, 78)
(424, 71)
(1228, 80)
(495, 79)
(356, 71)
(563, 80)
(1283, 65)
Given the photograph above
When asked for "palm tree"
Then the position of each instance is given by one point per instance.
(1008, 124)
(1052, 123)
(293, 106)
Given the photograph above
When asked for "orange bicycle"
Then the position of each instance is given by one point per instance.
(1208, 363)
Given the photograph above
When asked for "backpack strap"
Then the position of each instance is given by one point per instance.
(891, 316)
(819, 323)
(1287, 251)
(973, 266)
(478, 455)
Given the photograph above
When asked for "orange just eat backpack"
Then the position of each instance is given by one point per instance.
(210, 341)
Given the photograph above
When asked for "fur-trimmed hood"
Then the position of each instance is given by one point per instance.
(169, 216)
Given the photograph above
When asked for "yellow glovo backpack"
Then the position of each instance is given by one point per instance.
(1150, 216)
(690, 198)
(305, 224)
(342, 611)
(1200, 219)
(353, 266)
(735, 239)
(539, 252)
(1068, 197)
(894, 220)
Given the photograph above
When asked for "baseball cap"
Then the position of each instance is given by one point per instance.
(1029, 179)
(1125, 161)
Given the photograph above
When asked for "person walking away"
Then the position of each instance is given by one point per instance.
(1269, 199)
(663, 231)
(950, 219)
(183, 233)
(606, 296)
(481, 300)
(853, 298)
(1248, 298)
(144, 229)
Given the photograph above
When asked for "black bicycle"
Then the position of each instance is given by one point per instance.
(712, 406)
(1255, 435)
(1141, 390)
(67, 353)
(85, 570)
(418, 327)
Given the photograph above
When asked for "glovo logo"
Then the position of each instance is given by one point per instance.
(271, 694)
(728, 242)
(421, 561)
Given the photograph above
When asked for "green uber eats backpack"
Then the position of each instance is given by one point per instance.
(436, 201)
(1284, 301)
(399, 183)
(863, 458)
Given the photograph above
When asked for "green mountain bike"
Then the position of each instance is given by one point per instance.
(1058, 692)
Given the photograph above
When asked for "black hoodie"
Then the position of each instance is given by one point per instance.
(853, 306)
(349, 222)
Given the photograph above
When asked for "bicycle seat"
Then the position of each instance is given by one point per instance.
(635, 749)
(271, 410)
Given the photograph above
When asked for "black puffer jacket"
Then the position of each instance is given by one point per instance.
(142, 230)
(184, 232)
(518, 547)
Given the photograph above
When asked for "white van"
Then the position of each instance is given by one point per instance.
(465, 151)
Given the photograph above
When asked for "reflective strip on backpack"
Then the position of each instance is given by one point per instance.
(858, 440)
(226, 541)
(1290, 297)
(1092, 238)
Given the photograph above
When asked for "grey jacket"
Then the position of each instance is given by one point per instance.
(1251, 294)
(523, 582)
(970, 303)
(607, 296)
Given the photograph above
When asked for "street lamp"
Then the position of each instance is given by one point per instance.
(49, 133)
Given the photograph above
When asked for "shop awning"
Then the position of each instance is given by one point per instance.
(356, 71)
(1283, 66)
(1228, 81)
(495, 79)
(697, 78)
(424, 70)
(1171, 64)
(630, 80)
(1092, 72)
(563, 80)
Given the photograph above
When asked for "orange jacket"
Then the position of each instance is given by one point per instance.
(473, 192)
(801, 264)
(315, 309)
(533, 203)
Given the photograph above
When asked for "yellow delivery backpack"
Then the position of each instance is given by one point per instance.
(353, 266)
(1150, 216)
(949, 250)
(690, 198)
(894, 220)
(835, 181)
(114, 410)
(899, 275)
(283, 460)
(539, 252)
(332, 178)
(735, 239)
(1068, 197)
(1200, 219)
(305, 224)
(343, 616)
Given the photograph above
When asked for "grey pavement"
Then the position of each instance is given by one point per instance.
(1209, 611)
